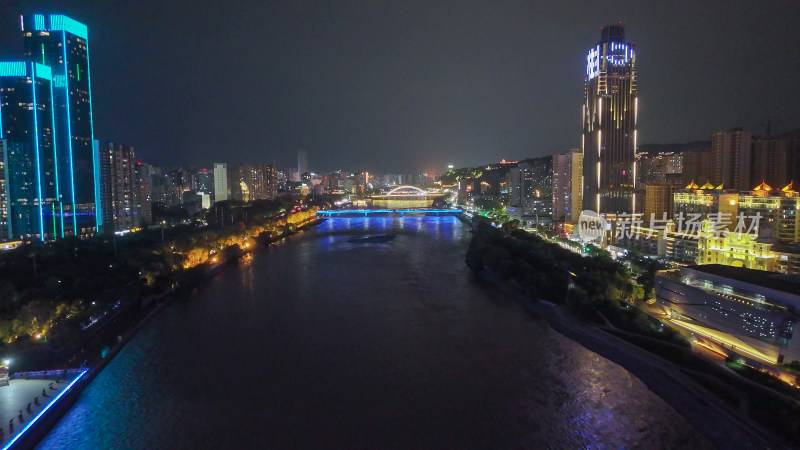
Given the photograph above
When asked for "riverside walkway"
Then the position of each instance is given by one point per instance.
(30, 395)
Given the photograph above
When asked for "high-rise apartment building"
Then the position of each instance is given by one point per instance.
(730, 152)
(361, 182)
(176, 182)
(779, 208)
(282, 178)
(237, 182)
(270, 181)
(62, 44)
(261, 180)
(220, 182)
(30, 152)
(202, 180)
(793, 150)
(659, 168)
(3, 192)
(332, 182)
(531, 189)
(119, 188)
(698, 166)
(771, 161)
(106, 197)
(567, 188)
(610, 113)
(658, 201)
(144, 193)
(302, 163)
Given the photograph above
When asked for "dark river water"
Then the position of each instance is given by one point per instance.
(329, 341)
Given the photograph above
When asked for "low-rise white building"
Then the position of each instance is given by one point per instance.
(749, 312)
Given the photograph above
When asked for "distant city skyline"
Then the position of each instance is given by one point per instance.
(414, 87)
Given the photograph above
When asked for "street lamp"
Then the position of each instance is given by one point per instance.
(5, 371)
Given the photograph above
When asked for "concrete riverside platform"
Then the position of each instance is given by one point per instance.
(22, 391)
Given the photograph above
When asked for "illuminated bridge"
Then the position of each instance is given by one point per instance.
(389, 212)
(406, 197)
(407, 193)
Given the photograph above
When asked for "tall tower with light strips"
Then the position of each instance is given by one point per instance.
(610, 114)
(29, 151)
(62, 43)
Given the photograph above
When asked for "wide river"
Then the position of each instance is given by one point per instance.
(329, 340)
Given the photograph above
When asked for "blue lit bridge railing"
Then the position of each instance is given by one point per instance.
(388, 212)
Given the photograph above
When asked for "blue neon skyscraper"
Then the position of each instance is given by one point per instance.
(62, 43)
(30, 151)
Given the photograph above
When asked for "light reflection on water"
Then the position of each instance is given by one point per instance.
(325, 341)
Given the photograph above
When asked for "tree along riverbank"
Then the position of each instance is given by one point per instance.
(586, 294)
(111, 336)
(55, 298)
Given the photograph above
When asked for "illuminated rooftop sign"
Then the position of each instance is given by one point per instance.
(617, 54)
(620, 53)
(593, 62)
(60, 22)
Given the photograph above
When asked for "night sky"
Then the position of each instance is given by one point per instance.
(413, 86)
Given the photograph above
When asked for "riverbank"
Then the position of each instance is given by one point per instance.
(112, 343)
(408, 345)
(602, 294)
(713, 418)
(55, 294)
